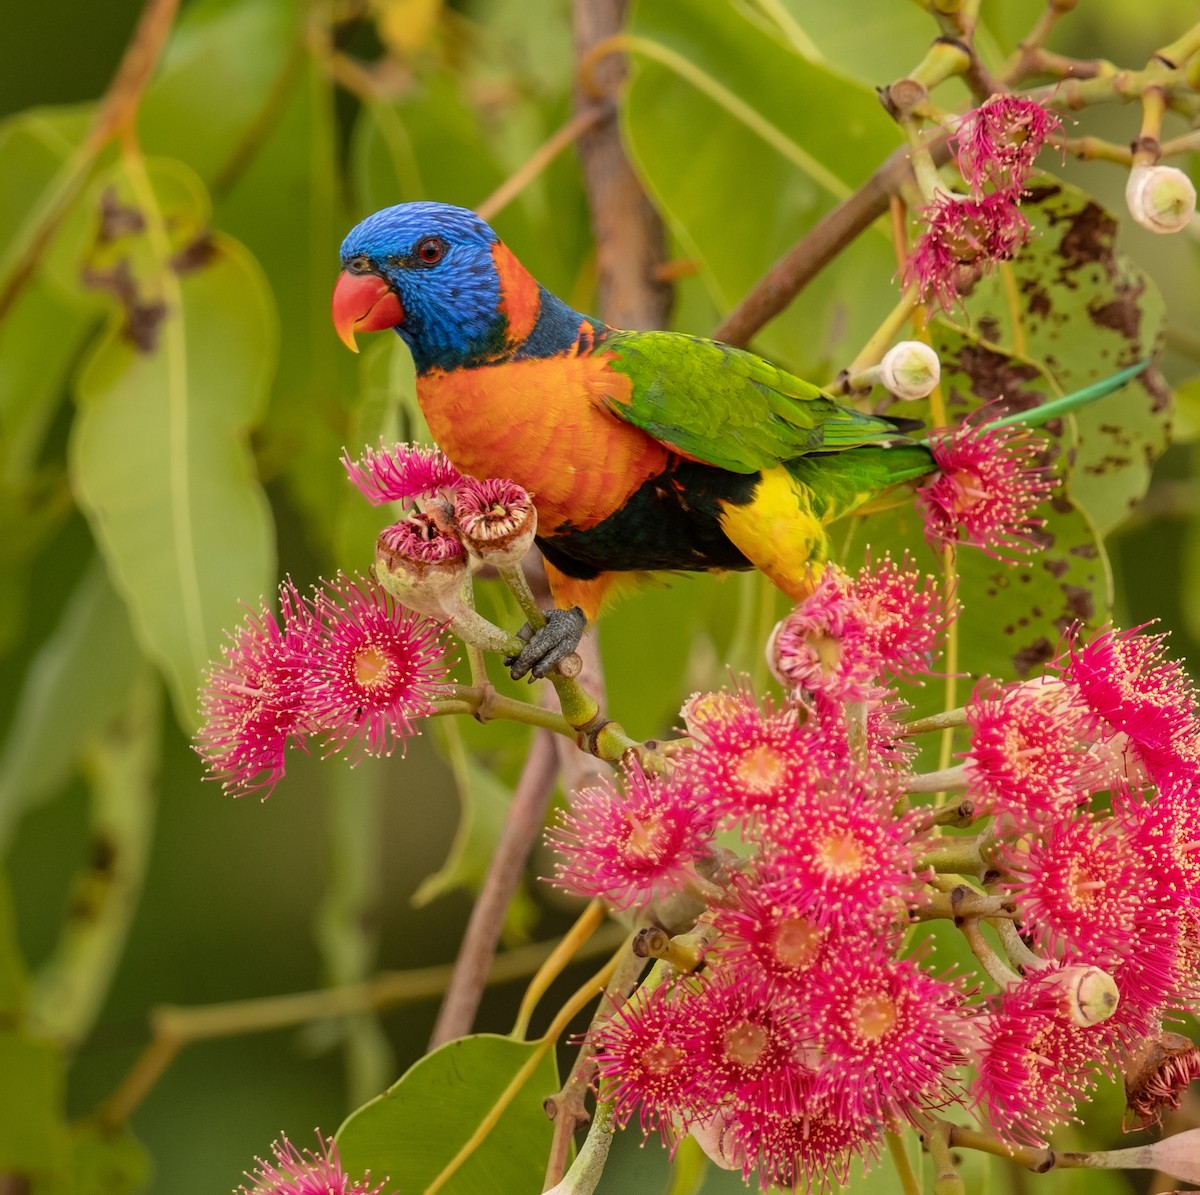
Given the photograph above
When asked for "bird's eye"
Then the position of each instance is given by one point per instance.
(430, 251)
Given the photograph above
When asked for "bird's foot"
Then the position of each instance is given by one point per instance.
(548, 645)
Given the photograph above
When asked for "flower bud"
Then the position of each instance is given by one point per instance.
(910, 369)
(1160, 198)
(422, 566)
(1089, 995)
(496, 520)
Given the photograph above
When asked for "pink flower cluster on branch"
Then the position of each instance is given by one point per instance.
(965, 236)
(306, 1172)
(358, 662)
(814, 1027)
(348, 665)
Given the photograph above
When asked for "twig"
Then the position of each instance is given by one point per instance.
(521, 827)
(566, 1107)
(174, 1027)
(824, 241)
(115, 118)
(630, 239)
(579, 124)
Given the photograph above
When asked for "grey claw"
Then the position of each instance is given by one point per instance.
(548, 645)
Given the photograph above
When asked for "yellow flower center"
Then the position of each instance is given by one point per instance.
(841, 854)
(796, 942)
(874, 1016)
(761, 769)
(372, 668)
(744, 1043)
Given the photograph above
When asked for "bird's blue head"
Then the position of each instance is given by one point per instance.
(441, 278)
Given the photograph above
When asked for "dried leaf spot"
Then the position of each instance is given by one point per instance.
(1033, 656)
(117, 220)
(1079, 602)
(1122, 313)
(195, 255)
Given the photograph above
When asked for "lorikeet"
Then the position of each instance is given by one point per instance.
(643, 450)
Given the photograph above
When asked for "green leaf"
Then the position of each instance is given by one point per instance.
(40, 164)
(211, 98)
(121, 763)
(159, 457)
(107, 1162)
(31, 1104)
(793, 134)
(484, 805)
(413, 1131)
(14, 978)
(484, 801)
(1083, 310)
(79, 678)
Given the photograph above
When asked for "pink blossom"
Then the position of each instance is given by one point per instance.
(640, 1057)
(745, 1046)
(421, 538)
(1034, 1064)
(373, 669)
(844, 854)
(891, 1034)
(632, 845)
(1129, 683)
(762, 930)
(752, 763)
(307, 1172)
(400, 473)
(985, 489)
(1029, 753)
(495, 518)
(963, 239)
(256, 701)
(848, 632)
(1082, 886)
(810, 1152)
(996, 143)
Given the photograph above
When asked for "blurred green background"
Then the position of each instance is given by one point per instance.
(257, 127)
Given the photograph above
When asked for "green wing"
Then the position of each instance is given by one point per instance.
(729, 408)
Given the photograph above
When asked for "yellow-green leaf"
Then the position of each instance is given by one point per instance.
(159, 453)
(430, 1124)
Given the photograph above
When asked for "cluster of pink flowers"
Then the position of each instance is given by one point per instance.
(995, 147)
(306, 1172)
(812, 1025)
(347, 664)
(358, 661)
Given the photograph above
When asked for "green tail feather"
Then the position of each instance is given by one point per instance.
(1071, 402)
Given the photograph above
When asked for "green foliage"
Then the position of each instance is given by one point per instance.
(172, 406)
(159, 454)
(416, 1129)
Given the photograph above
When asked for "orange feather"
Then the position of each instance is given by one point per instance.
(542, 423)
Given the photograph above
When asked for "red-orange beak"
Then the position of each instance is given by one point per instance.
(363, 303)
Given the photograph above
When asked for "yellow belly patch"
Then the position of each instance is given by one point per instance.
(779, 534)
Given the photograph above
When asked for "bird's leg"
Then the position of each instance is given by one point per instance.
(546, 645)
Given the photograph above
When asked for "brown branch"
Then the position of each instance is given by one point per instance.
(823, 242)
(521, 828)
(115, 118)
(583, 120)
(630, 239)
(567, 1107)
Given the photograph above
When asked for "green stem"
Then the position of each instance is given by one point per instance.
(999, 971)
(909, 1182)
(585, 1173)
(120, 765)
(347, 921)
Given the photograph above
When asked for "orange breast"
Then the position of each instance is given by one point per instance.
(542, 424)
